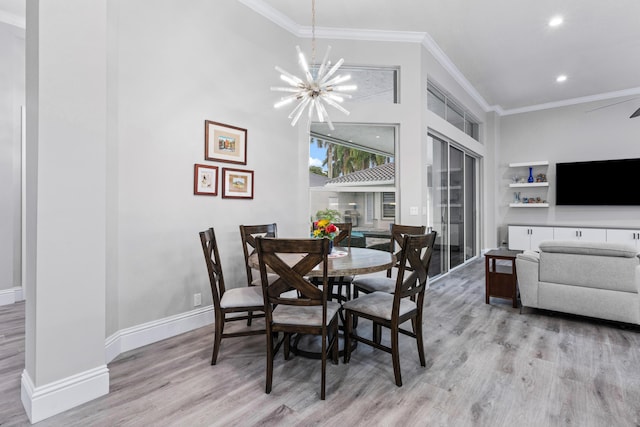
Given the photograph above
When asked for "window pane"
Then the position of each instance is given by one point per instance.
(472, 129)
(455, 115)
(435, 101)
(441, 104)
(350, 168)
(388, 205)
(456, 204)
(470, 207)
(374, 84)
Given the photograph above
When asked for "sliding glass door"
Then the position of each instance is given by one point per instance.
(451, 201)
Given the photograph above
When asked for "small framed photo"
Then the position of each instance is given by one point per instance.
(205, 180)
(237, 184)
(225, 143)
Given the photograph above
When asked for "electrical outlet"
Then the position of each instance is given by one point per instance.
(197, 300)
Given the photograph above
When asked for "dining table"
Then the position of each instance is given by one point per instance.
(341, 262)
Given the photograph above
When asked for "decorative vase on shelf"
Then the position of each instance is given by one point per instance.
(530, 175)
(330, 245)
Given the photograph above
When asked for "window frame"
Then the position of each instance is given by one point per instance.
(470, 125)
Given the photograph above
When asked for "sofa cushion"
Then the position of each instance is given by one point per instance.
(600, 303)
(593, 271)
(589, 248)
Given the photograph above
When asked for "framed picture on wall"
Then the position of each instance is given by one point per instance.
(225, 143)
(205, 180)
(237, 184)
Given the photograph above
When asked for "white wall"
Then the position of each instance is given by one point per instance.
(483, 149)
(66, 181)
(569, 134)
(215, 61)
(192, 62)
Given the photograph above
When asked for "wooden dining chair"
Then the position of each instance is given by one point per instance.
(248, 234)
(368, 284)
(342, 284)
(310, 313)
(225, 301)
(391, 310)
(343, 239)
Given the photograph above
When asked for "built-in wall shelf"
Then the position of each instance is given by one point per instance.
(530, 184)
(538, 189)
(526, 164)
(528, 205)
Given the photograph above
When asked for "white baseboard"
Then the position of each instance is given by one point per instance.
(11, 295)
(147, 333)
(56, 397)
(51, 399)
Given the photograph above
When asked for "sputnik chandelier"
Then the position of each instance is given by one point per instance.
(319, 85)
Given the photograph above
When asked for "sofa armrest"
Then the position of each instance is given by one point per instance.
(529, 256)
(527, 268)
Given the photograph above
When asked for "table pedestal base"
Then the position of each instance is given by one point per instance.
(310, 346)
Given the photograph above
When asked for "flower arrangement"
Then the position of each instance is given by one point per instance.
(324, 228)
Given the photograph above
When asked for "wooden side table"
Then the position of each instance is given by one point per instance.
(501, 280)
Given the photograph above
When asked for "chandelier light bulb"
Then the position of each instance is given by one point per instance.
(314, 91)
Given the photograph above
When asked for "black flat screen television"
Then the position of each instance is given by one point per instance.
(603, 182)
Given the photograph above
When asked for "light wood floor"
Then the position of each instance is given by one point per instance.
(487, 365)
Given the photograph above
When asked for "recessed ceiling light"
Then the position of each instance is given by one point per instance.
(377, 136)
(555, 21)
(561, 78)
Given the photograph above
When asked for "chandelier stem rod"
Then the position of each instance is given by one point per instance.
(313, 32)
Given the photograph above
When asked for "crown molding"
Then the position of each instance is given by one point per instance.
(451, 68)
(362, 34)
(427, 41)
(572, 101)
(11, 19)
(424, 38)
(273, 15)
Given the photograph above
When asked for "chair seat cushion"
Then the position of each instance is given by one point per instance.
(258, 282)
(373, 284)
(304, 315)
(249, 296)
(378, 304)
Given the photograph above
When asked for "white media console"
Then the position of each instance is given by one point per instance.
(528, 237)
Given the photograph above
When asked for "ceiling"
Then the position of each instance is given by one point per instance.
(503, 49)
(16, 7)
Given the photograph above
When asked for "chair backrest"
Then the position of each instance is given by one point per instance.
(248, 234)
(292, 260)
(343, 238)
(398, 232)
(212, 258)
(413, 267)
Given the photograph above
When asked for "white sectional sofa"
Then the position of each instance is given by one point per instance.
(595, 279)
